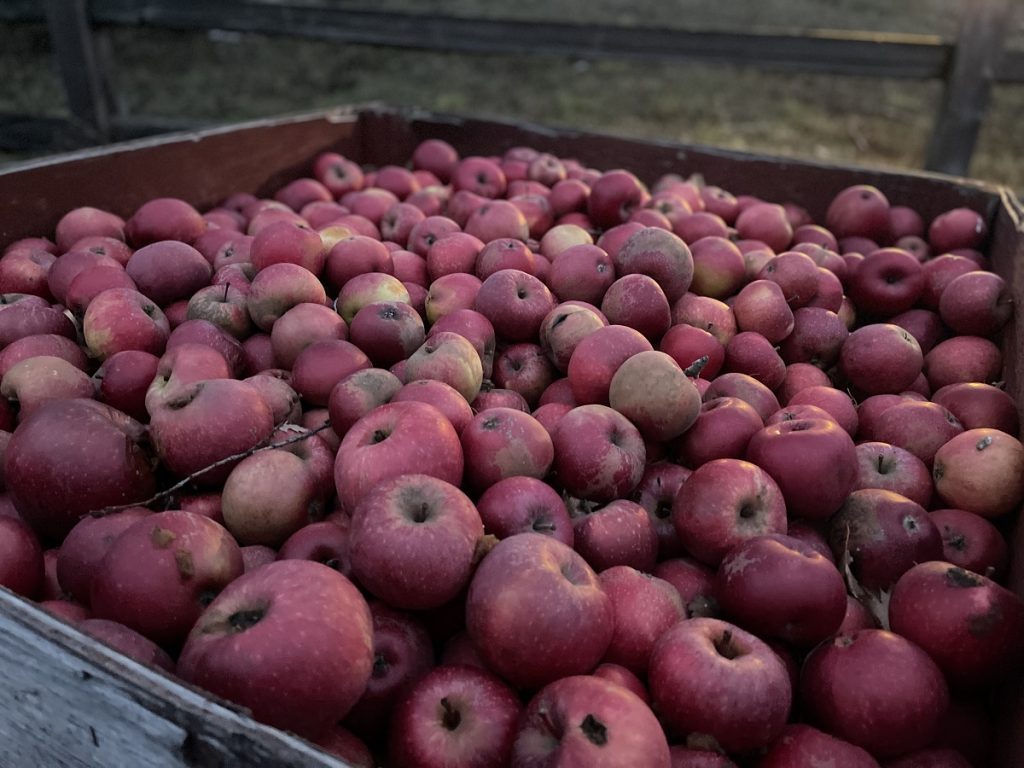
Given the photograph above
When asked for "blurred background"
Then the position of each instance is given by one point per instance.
(608, 65)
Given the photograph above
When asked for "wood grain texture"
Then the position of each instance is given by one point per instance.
(68, 701)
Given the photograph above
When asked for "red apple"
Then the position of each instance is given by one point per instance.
(503, 442)
(891, 468)
(614, 196)
(887, 282)
(598, 356)
(859, 211)
(86, 544)
(661, 256)
(164, 218)
(802, 745)
(619, 533)
(971, 542)
(881, 358)
(524, 504)
(21, 558)
(963, 359)
(645, 608)
(599, 454)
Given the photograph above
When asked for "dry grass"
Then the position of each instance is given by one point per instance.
(225, 77)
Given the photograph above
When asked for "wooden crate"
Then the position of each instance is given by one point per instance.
(69, 701)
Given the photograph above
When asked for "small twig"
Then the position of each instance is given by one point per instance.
(261, 446)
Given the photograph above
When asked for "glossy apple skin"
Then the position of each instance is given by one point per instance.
(284, 613)
(885, 534)
(778, 586)
(97, 451)
(876, 690)
(427, 524)
(455, 715)
(614, 196)
(723, 503)
(859, 211)
(802, 744)
(967, 623)
(159, 574)
(794, 450)
(555, 597)
(887, 282)
(584, 720)
(392, 440)
(599, 454)
(709, 676)
(168, 271)
(977, 405)
(981, 471)
(918, 427)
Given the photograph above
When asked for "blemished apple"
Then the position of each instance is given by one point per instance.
(119, 319)
(876, 690)
(781, 587)
(971, 542)
(86, 544)
(651, 390)
(967, 623)
(450, 358)
(598, 356)
(660, 255)
(160, 573)
(96, 449)
(565, 327)
(456, 715)
(724, 503)
(980, 471)
(554, 592)
(883, 534)
(284, 613)
(503, 442)
(584, 720)
(708, 676)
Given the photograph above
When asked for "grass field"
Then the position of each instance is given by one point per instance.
(222, 77)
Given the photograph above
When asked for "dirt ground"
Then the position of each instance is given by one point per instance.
(221, 77)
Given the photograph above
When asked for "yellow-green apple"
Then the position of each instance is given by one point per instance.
(162, 571)
(561, 237)
(555, 593)
(875, 689)
(448, 357)
(980, 470)
(697, 661)
(793, 450)
(585, 720)
(883, 534)
(96, 449)
(285, 613)
(651, 390)
(426, 523)
(599, 454)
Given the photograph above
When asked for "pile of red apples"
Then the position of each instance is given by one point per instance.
(507, 461)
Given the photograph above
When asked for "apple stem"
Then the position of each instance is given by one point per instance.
(694, 369)
(264, 446)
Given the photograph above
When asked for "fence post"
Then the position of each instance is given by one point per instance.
(74, 49)
(979, 45)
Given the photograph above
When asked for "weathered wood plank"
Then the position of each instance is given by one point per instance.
(976, 58)
(70, 701)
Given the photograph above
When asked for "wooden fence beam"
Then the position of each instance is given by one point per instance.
(71, 37)
(976, 58)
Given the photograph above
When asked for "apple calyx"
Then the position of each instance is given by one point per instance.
(595, 731)
(451, 718)
(239, 621)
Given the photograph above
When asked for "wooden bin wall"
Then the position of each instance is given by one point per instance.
(68, 701)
